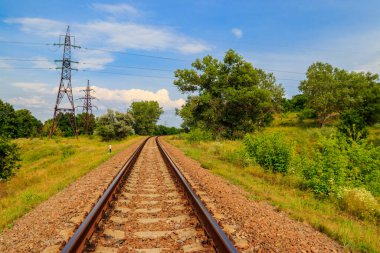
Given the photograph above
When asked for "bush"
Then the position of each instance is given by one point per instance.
(352, 125)
(335, 163)
(324, 172)
(270, 151)
(359, 202)
(9, 157)
(197, 135)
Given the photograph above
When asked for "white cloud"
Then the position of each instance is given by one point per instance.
(128, 96)
(40, 88)
(39, 26)
(115, 35)
(129, 35)
(43, 62)
(35, 101)
(116, 9)
(238, 33)
(93, 60)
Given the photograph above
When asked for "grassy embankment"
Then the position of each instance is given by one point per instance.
(224, 159)
(47, 167)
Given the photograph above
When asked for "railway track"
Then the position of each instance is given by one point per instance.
(149, 207)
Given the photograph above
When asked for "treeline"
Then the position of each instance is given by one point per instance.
(141, 118)
(329, 92)
(230, 98)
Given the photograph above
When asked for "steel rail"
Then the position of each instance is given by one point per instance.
(81, 236)
(221, 242)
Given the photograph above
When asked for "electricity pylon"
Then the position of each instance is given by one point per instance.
(87, 106)
(65, 87)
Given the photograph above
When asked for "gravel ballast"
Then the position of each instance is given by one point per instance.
(47, 227)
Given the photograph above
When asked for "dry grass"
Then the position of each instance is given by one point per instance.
(49, 166)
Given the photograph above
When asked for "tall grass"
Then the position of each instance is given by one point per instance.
(48, 166)
(226, 159)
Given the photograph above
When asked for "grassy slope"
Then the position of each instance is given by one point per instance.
(47, 167)
(283, 191)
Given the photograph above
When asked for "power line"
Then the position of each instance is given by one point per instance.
(134, 67)
(125, 74)
(93, 49)
(134, 54)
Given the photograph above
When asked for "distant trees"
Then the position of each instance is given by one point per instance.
(330, 90)
(17, 123)
(9, 158)
(114, 125)
(145, 115)
(228, 98)
(164, 130)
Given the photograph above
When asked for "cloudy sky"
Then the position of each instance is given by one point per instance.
(129, 49)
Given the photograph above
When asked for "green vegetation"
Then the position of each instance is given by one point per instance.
(330, 90)
(270, 151)
(47, 167)
(350, 215)
(146, 115)
(164, 130)
(114, 125)
(17, 123)
(9, 158)
(227, 98)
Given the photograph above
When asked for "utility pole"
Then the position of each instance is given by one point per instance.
(87, 106)
(65, 87)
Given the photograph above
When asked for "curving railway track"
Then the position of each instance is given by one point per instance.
(149, 207)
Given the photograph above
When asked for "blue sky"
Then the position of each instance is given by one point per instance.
(283, 37)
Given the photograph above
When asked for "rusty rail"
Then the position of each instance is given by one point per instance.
(81, 236)
(219, 238)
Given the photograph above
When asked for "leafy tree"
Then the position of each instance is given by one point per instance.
(164, 130)
(146, 115)
(64, 124)
(352, 125)
(27, 124)
(9, 157)
(81, 121)
(7, 120)
(114, 125)
(321, 90)
(330, 91)
(229, 97)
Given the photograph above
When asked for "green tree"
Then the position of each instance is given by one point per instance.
(7, 120)
(9, 158)
(229, 97)
(81, 121)
(164, 130)
(27, 124)
(330, 91)
(146, 115)
(114, 125)
(321, 90)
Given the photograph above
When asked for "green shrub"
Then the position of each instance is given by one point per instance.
(334, 163)
(353, 125)
(270, 151)
(9, 158)
(197, 135)
(359, 202)
(324, 172)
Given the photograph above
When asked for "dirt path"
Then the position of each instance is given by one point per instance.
(254, 226)
(49, 225)
(152, 213)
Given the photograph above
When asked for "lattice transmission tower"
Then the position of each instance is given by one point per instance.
(65, 88)
(87, 106)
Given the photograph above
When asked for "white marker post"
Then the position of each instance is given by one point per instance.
(110, 148)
